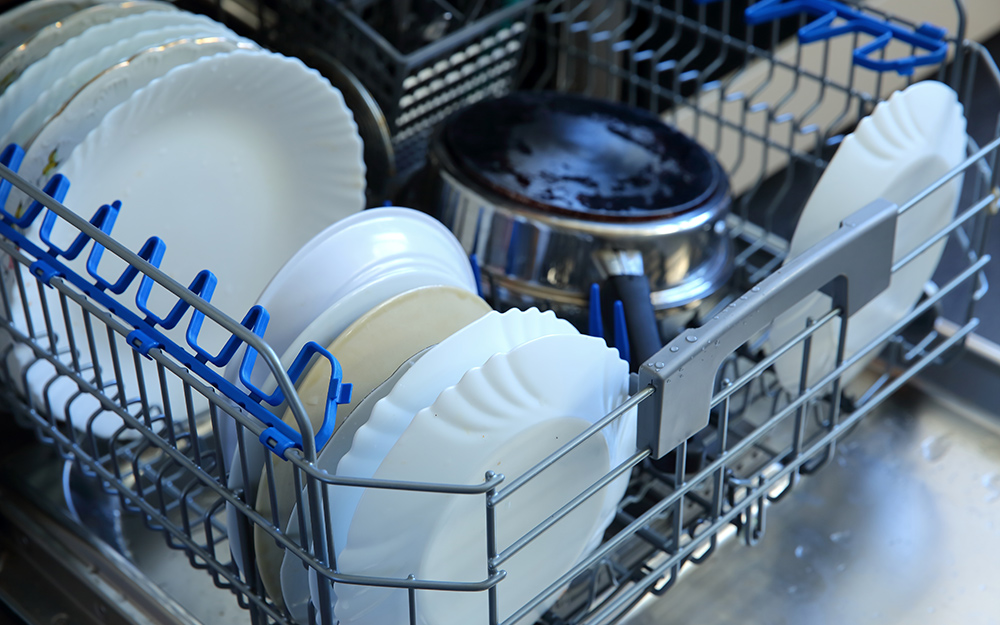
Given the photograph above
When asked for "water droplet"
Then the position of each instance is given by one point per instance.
(692, 339)
(674, 348)
(716, 317)
(841, 537)
(992, 481)
(800, 551)
(659, 365)
(756, 289)
(934, 447)
(744, 297)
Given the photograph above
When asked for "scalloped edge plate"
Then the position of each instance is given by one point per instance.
(928, 139)
(505, 416)
(369, 350)
(55, 96)
(300, 131)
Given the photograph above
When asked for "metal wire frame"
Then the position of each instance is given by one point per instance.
(762, 103)
(746, 508)
(172, 475)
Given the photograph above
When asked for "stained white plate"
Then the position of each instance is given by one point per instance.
(85, 109)
(334, 320)
(23, 21)
(506, 416)
(442, 366)
(48, 103)
(908, 142)
(351, 254)
(47, 71)
(365, 259)
(240, 157)
(368, 352)
(17, 61)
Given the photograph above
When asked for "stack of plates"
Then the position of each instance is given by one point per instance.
(444, 389)
(234, 156)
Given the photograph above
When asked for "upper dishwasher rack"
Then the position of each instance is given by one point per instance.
(716, 448)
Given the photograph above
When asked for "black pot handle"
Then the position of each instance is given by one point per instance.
(640, 319)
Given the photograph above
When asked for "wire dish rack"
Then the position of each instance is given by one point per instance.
(771, 94)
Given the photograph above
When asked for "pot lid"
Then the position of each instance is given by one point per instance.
(582, 157)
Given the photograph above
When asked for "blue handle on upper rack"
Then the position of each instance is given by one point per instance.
(926, 37)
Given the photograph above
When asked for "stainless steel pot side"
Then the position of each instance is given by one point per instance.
(530, 257)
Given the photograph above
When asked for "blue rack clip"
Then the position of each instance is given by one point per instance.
(278, 436)
(926, 37)
(619, 330)
(476, 273)
(595, 325)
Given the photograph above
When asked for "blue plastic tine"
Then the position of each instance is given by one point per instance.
(595, 324)
(104, 220)
(337, 393)
(770, 10)
(203, 286)
(251, 321)
(476, 273)
(822, 28)
(621, 332)
(11, 157)
(56, 188)
(928, 38)
(903, 65)
(152, 252)
(256, 321)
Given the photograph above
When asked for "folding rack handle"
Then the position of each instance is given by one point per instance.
(852, 265)
(926, 37)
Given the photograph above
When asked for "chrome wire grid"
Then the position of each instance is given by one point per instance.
(165, 462)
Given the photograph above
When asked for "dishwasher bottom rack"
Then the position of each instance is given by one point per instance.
(745, 441)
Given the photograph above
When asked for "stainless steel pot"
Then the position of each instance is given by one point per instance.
(533, 253)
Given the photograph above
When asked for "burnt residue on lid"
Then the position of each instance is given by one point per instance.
(583, 157)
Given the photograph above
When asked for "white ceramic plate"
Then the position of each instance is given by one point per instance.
(909, 141)
(506, 416)
(18, 60)
(85, 109)
(336, 319)
(30, 121)
(250, 138)
(47, 71)
(339, 445)
(66, 129)
(365, 259)
(23, 21)
(351, 254)
(441, 367)
(329, 326)
(368, 352)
